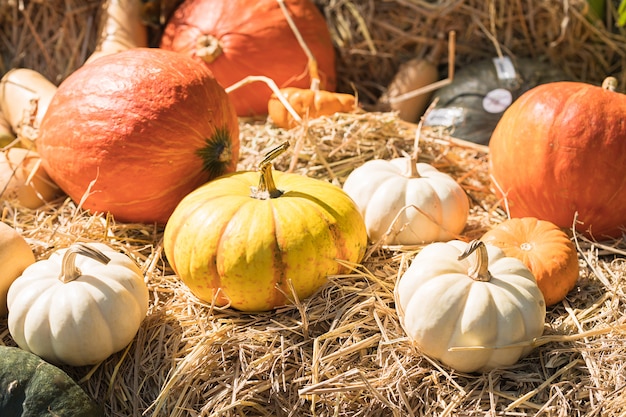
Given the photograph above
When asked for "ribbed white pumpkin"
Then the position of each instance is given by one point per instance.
(468, 312)
(406, 203)
(79, 306)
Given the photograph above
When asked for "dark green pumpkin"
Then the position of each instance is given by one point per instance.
(31, 387)
(462, 105)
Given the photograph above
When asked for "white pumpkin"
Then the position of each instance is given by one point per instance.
(79, 306)
(470, 306)
(407, 203)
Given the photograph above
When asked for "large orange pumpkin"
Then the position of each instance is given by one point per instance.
(146, 126)
(239, 38)
(544, 248)
(560, 149)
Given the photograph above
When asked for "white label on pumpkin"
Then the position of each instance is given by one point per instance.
(497, 101)
(445, 116)
(505, 68)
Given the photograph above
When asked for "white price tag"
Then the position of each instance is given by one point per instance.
(445, 116)
(505, 68)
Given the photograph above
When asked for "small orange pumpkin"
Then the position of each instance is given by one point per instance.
(309, 103)
(544, 248)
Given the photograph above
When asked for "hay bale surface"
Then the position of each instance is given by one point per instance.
(342, 351)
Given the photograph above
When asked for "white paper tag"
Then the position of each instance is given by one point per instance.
(497, 100)
(445, 116)
(505, 68)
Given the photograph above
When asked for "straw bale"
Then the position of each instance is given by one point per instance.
(372, 38)
(342, 351)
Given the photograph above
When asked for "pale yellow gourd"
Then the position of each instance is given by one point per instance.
(15, 255)
(469, 306)
(23, 180)
(79, 306)
(121, 28)
(24, 98)
(406, 202)
(6, 132)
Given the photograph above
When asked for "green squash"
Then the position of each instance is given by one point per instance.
(31, 387)
(471, 105)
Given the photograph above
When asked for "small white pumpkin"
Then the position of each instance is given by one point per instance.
(470, 306)
(407, 203)
(79, 306)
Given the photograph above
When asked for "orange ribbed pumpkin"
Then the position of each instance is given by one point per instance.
(239, 38)
(560, 149)
(147, 126)
(544, 248)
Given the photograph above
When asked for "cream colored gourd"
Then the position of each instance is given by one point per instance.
(24, 98)
(121, 28)
(79, 306)
(466, 304)
(414, 74)
(23, 180)
(6, 132)
(405, 202)
(15, 255)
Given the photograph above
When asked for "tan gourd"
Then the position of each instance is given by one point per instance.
(122, 28)
(24, 180)
(6, 133)
(15, 255)
(24, 98)
(410, 90)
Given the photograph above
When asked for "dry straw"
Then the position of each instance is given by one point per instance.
(342, 351)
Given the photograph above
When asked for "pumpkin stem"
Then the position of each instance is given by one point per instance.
(208, 48)
(479, 270)
(412, 164)
(267, 186)
(610, 84)
(313, 70)
(69, 270)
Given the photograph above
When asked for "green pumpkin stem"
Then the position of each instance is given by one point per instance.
(69, 270)
(267, 186)
(479, 270)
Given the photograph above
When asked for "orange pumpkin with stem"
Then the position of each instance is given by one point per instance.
(558, 153)
(544, 248)
(241, 38)
(145, 127)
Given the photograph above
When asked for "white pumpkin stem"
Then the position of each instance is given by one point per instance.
(610, 84)
(69, 270)
(479, 270)
(412, 171)
(267, 186)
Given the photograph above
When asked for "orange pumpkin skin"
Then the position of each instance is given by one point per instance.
(239, 38)
(544, 248)
(147, 126)
(560, 149)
